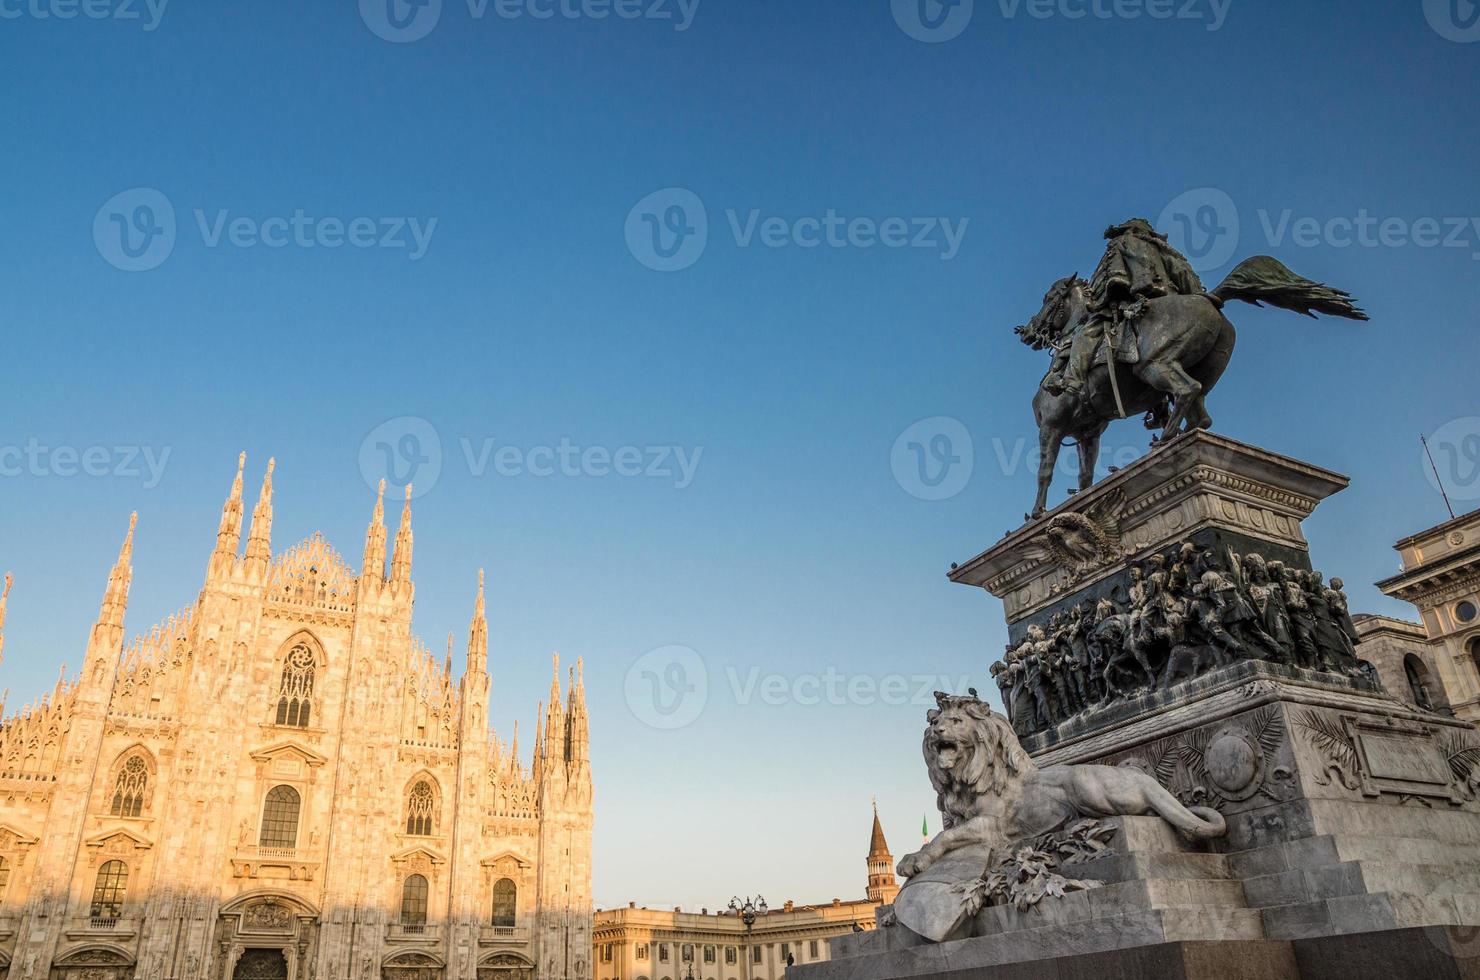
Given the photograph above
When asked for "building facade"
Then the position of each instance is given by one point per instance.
(1436, 661)
(281, 783)
(635, 943)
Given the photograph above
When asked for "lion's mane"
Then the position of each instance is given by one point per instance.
(995, 764)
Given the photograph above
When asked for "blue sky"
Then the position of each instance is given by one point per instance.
(529, 316)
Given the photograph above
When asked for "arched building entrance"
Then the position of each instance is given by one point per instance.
(413, 966)
(261, 964)
(267, 936)
(505, 966)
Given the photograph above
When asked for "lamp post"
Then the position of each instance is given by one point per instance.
(748, 910)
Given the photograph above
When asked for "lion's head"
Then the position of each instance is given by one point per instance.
(970, 750)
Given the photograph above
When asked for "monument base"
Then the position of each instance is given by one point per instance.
(1353, 842)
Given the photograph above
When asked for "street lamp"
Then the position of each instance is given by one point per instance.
(748, 909)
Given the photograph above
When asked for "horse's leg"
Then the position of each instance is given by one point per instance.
(1049, 441)
(1089, 452)
(1169, 376)
(1211, 369)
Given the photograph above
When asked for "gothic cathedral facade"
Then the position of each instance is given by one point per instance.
(281, 783)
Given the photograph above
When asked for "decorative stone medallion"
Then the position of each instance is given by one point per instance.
(1234, 762)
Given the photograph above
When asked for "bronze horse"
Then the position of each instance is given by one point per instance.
(1185, 343)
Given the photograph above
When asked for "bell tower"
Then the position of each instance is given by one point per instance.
(882, 886)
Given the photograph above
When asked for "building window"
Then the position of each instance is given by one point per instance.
(662, 952)
(505, 903)
(129, 787)
(414, 901)
(785, 951)
(688, 953)
(295, 693)
(421, 806)
(755, 954)
(606, 953)
(109, 891)
(1418, 686)
(1465, 611)
(280, 818)
(642, 951)
(4, 878)
(730, 955)
(812, 948)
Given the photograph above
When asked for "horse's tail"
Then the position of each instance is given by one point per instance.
(1197, 822)
(1263, 279)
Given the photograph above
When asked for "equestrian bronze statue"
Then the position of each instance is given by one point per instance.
(1143, 336)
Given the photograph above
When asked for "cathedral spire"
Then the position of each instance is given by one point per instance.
(374, 563)
(555, 714)
(259, 540)
(4, 598)
(229, 531)
(401, 559)
(115, 597)
(578, 736)
(478, 634)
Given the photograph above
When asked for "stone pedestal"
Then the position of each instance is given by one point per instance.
(1354, 827)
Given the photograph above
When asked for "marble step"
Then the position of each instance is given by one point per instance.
(1116, 899)
(1299, 885)
(1145, 865)
(1328, 849)
(1107, 932)
(1369, 913)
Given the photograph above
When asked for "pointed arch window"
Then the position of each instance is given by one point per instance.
(109, 891)
(421, 810)
(280, 818)
(129, 788)
(505, 902)
(295, 690)
(414, 901)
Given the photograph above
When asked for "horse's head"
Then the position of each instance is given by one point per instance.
(1059, 306)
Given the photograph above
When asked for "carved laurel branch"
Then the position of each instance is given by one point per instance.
(1337, 750)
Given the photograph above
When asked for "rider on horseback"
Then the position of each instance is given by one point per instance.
(1138, 264)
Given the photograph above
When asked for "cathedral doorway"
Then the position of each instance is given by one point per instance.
(261, 964)
(412, 966)
(505, 966)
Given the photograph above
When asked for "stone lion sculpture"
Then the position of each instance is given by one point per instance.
(991, 795)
